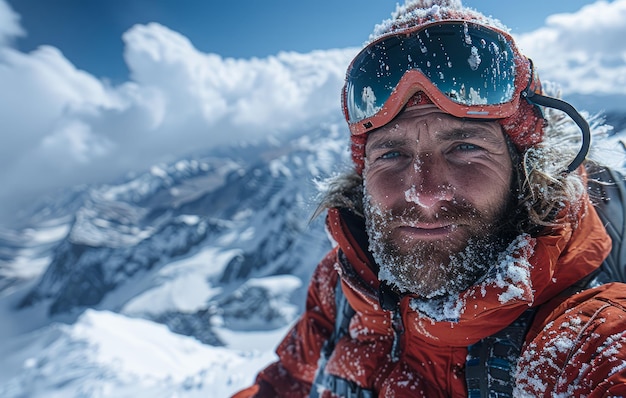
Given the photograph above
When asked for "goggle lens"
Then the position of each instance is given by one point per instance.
(469, 64)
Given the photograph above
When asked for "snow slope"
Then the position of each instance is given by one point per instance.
(104, 354)
(179, 281)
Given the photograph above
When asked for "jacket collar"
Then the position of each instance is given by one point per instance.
(538, 268)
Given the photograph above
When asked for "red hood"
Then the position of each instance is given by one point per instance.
(543, 267)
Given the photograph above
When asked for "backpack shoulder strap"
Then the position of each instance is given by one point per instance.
(343, 314)
(323, 381)
(491, 361)
(607, 190)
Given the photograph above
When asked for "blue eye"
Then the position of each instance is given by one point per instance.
(468, 147)
(390, 155)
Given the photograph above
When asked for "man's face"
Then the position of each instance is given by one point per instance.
(436, 192)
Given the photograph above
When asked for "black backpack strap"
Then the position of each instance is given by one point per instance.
(491, 361)
(607, 190)
(341, 388)
(328, 382)
(343, 314)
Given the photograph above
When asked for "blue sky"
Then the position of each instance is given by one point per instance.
(89, 32)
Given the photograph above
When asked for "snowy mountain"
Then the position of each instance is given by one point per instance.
(176, 281)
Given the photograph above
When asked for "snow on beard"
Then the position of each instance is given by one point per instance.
(435, 268)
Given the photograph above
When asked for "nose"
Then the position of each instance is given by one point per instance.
(428, 182)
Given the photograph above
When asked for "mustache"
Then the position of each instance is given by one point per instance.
(451, 211)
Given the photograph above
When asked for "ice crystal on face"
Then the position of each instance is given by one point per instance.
(412, 195)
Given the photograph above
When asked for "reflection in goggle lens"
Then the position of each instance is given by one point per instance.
(470, 64)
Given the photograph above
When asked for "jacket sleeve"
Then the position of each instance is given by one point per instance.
(579, 349)
(299, 352)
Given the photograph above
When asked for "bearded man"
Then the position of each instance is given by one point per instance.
(463, 233)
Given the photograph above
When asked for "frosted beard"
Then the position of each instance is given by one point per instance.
(442, 267)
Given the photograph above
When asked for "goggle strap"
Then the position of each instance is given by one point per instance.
(580, 121)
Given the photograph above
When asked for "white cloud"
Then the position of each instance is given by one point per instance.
(584, 52)
(254, 93)
(62, 126)
(10, 27)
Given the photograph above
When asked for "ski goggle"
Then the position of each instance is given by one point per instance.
(466, 69)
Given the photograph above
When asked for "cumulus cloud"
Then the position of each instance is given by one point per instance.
(10, 27)
(61, 126)
(584, 51)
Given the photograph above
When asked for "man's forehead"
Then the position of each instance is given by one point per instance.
(439, 125)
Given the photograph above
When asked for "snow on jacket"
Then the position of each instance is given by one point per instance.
(576, 346)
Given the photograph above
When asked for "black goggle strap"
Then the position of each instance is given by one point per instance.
(532, 94)
(580, 121)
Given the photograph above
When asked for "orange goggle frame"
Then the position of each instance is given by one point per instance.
(467, 69)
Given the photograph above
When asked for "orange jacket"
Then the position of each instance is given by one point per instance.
(576, 345)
